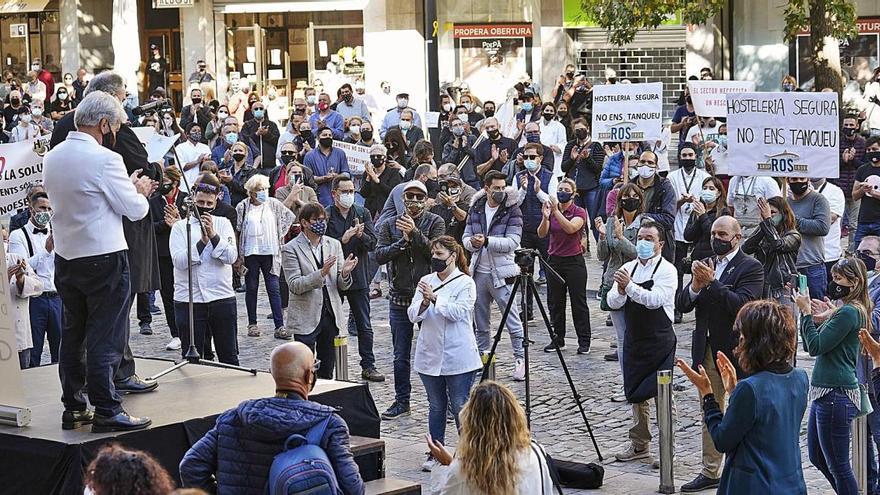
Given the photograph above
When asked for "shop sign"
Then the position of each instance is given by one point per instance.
(858, 55)
(18, 30)
(172, 4)
(506, 30)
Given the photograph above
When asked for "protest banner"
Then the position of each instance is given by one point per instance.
(627, 112)
(21, 164)
(710, 97)
(358, 156)
(783, 134)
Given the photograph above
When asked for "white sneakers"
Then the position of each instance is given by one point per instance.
(174, 345)
(430, 464)
(519, 371)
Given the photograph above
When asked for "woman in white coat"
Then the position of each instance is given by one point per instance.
(446, 351)
(23, 284)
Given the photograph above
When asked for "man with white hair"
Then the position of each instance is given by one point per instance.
(143, 255)
(91, 261)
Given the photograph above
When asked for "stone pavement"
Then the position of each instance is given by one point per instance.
(556, 422)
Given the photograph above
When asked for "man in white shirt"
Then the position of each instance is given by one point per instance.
(213, 253)
(192, 153)
(91, 261)
(742, 197)
(34, 243)
(688, 184)
(837, 205)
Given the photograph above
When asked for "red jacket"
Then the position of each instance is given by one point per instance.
(46, 77)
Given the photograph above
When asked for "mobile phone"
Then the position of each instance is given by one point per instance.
(802, 283)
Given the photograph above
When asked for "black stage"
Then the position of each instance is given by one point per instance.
(44, 459)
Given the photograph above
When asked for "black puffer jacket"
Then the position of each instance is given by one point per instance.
(778, 253)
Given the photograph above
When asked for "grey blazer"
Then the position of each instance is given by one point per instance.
(305, 282)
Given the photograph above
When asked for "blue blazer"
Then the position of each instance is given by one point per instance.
(760, 434)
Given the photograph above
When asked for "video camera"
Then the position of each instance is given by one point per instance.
(525, 258)
(159, 105)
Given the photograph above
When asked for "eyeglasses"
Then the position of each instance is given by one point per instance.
(414, 196)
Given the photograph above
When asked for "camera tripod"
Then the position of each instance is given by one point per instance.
(524, 284)
(192, 355)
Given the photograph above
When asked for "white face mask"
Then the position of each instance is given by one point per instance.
(468, 106)
(25, 118)
(646, 172)
(37, 111)
(355, 129)
(222, 115)
(463, 117)
(447, 107)
(346, 200)
(402, 102)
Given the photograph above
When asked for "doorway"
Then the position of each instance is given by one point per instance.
(168, 41)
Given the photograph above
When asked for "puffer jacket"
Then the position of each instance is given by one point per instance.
(240, 448)
(613, 169)
(778, 254)
(502, 236)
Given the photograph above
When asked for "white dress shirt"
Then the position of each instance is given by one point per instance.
(686, 184)
(757, 187)
(447, 344)
(661, 295)
(188, 152)
(211, 270)
(90, 191)
(837, 204)
(23, 133)
(41, 260)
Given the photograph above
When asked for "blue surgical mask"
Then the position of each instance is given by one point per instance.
(258, 114)
(231, 138)
(708, 196)
(644, 249)
(531, 165)
(263, 196)
(533, 138)
(528, 106)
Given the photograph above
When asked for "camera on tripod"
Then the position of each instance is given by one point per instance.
(525, 258)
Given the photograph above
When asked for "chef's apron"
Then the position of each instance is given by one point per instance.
(649, 345)
(745, 207)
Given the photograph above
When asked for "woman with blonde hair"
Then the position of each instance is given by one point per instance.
(495, 455)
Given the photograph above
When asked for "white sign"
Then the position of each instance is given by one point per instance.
(783, 134)
(432, 120)
(627, 112)
(172, 4)
(144, 133)
(11, 391)
(159, 145)
(18, 30)
(709, 97)
(358, 156)
(21, 164)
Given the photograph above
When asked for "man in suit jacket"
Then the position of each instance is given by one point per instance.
(719, 288)
(316, 271)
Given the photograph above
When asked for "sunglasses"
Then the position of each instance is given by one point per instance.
(530, 157)
(414, 196)
(288, 153)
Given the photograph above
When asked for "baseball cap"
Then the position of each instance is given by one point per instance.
(416, 184)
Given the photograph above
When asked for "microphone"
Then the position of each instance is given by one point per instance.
(149, 107)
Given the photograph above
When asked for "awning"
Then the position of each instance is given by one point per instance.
(22, 6)
(249, 6)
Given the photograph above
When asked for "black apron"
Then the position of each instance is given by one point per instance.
(649, 345)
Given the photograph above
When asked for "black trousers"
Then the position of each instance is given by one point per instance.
(530, 240)
(143, 308)
(221, 317)
(682, 250)
(285, 290)
(96, 291)
(126, 364)
(573, 271)
(321, 343)
(166, 290)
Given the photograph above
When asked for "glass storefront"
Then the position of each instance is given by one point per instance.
(26, 36)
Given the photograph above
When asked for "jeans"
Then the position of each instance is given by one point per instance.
(166, 290)
(589, 200)
(828, 440)
(619, 323)
(401, 341)
(487, 293)
(45, 314)
(531, 240)
(873, 443)
(359, 311)
(255, 264)
(817, 280)
(321, 343)
(445, 393)
(96, 291)
(221, 317)
(852, 219)
(865, 229)
(573, 271)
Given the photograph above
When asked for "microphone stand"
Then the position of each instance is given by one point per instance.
(192, 355)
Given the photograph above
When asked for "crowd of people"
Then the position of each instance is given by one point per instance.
(438, 216)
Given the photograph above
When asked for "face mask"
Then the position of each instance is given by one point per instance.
(432, 185)
(849, 132)
(405, 125)
(402, 103)
(195, 136)
(262, 196)
(533, 138)
(720, 247)
(646, 172)
(531, 165)
(872, 156)
(311, 99)
(468, 106)
(196, 101)
(231, 138)
(633, 172)
(454, 191)
(439, 265)
(285, 159)
(776, 219)
(318, 227)
(463, 117)
(306, 134)
(687, 163)
(562, 113)
(644, 249)
(563, 197)
(788, 87)
(346, 200)
(37, 112)
(222, 115)
(62, 96)
(489, 112)
(869, 261)
(498, 197)
(326, 142)
(165, 188)
(837, 291)
(239, 157)
(355, 129)
(494, 134)
(581, 133)
(366, 135)
(707, 196)
(15, 101)
(377, 160)
(798, 188)
(35, 67)
(630, 204)
(25, 118)
(323, 106)
(447, 107)
(42, 218)
(414, 207)
(258, 114)
(528, 106)
(458, 131)
(548, 117)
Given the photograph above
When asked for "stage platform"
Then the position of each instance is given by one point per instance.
(44, 459)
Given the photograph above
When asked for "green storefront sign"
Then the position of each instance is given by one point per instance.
(574, 17)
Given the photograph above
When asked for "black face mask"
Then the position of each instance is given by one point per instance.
(869, 261)
(307, 134)
(569, 75)
(687, 163)
(581, 133)
(377, 160)
(366, 135)
(238, 156)
(849, 132)
(166, 188)
(15, 101)
(837, 291)
(720, 248)
(196, 101)
(439, 265)
(326, 142)
(494, 134)
(630, 204)
(285, 159)
(798, 188)
(872, 156)
(489, 112)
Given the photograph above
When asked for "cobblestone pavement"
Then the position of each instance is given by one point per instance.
(555, 419)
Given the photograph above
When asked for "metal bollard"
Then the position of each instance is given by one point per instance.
(860, 453)
(340, 346)
(484, 356)
(664, 422)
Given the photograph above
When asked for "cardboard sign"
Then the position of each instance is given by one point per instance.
(783, 134)
(358, 156)
(710, 97)
(21, 164)
(627, 112)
